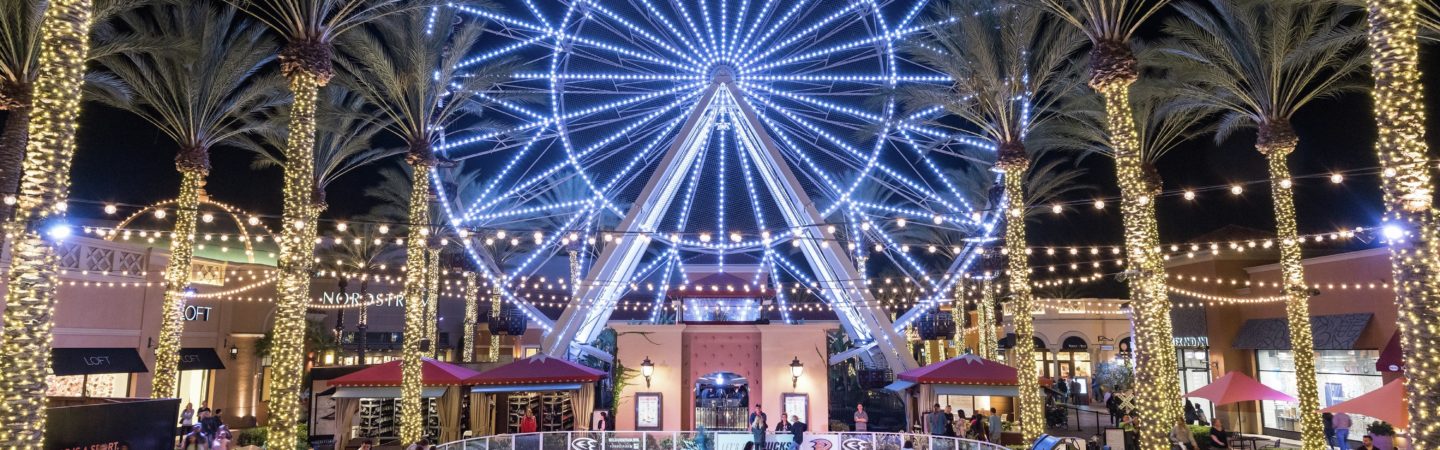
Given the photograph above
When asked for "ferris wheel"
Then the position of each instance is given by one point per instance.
(645, 136)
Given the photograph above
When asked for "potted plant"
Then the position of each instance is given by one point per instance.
(1383, 434)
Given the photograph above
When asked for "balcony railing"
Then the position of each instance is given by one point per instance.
(721, 440)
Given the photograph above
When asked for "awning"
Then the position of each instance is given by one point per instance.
(383, 392)
(1334, 332)
(526, 388)
(960, 389)
(89, 361)
(899, 386)
(200, 359)
(538, 369)
(432, 373)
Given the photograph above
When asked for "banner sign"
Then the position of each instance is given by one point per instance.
(137, 425)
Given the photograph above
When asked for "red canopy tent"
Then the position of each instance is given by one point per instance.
(1236, 387)
(432, 373)
(537, 381)
(537, 370)
(441, 381)
(1387, 403)
(963, 370)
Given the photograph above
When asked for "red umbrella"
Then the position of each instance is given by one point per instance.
(1236, 387)
(1387, 403)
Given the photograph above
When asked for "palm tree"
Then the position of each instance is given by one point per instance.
(19, 65)
(1260, 62)
(309, 28)
(1408, 191)
(199, 98)
(1160, 124)
(1010, 65)
(413, 78)
(1110, 24)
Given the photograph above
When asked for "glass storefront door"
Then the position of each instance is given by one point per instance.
(1194, 374)
(195, 387)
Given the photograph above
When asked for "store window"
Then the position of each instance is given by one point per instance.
(100, 385)
(1342, 375)
(195, 387)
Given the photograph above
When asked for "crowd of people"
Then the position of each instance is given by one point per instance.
(759, 424)
(203, 429)
(948, 422)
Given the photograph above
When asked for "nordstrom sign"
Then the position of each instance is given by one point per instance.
(355, 298)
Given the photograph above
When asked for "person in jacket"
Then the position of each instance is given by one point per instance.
(758, 426)
(528, 423)
(797, 431)
(1342, 424)
(1181, 436)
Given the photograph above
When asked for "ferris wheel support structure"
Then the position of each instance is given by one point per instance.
(836, 275)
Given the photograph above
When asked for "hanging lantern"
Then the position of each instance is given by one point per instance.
(936, 324)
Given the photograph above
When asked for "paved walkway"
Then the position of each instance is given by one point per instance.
(1086, 421)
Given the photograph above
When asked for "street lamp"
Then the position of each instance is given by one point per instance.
(647, 369)
(796, 369)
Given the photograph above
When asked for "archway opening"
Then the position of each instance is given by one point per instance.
(720, 401)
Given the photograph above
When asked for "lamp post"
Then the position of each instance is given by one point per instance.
(647, 369)
(796, 369)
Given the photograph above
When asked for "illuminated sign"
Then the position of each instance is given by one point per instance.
(355, 298)
(200, 313)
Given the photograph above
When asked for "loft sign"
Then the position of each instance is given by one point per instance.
(200, 313)
(355, 298)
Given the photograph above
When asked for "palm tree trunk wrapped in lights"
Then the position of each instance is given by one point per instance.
(1276, 143)
(472, 310)
(193, 165)
(961, 293)
(1113, 73)
(985, 324)
(495, 304)
(1012, 163)
(412, 427)
(432, 299)
(44, 186)
(1408, 192)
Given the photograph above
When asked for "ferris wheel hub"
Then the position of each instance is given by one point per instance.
(722, 73)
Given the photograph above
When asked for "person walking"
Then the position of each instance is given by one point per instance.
(862, 419)
(758, 424)
(935, 421)
(1342, 424)
(962, 425)
(1113, 405)
(797, 432)
(994, 425)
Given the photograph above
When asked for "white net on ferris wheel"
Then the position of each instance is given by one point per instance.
(607, 86)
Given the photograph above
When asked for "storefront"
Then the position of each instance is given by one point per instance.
(197, 375)
(94, 372)
(1342, 375)
(1343, 371)
(1193, 355)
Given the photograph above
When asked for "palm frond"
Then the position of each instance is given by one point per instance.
(345, 131)
(1103, 20)
(203, 95)
(321, 21)
(1261, 61)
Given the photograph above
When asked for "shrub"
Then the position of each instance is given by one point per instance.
(252, 436)
(1380, 428)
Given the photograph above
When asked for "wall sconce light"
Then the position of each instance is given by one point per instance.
(647, 369)
(234, 352)
(796, 369)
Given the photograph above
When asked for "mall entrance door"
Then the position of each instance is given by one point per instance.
(720, 402)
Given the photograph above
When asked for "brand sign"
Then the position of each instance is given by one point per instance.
(1192, 341)
(96, 360)
(200, 313)
(355, 298)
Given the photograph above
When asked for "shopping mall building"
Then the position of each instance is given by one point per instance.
(107, 323)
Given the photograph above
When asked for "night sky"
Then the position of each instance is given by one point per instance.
(123, 159)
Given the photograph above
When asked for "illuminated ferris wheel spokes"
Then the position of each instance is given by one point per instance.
(621, 85)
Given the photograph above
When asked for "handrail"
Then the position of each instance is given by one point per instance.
(713, 440)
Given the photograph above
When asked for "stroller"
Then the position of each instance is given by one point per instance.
(1056, 416)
